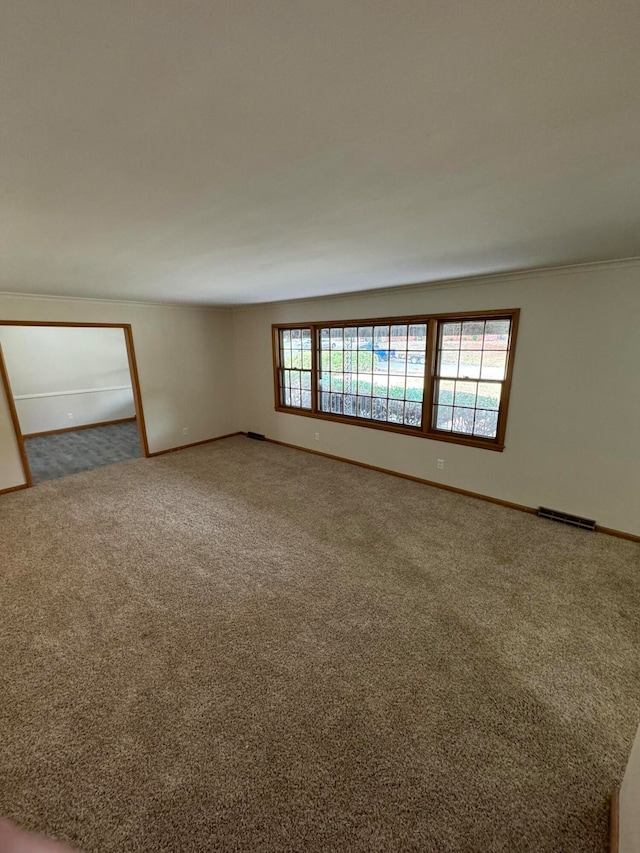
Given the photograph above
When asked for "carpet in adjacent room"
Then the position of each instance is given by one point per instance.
(64, 453)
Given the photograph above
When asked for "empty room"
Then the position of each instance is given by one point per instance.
(72, 391)
(319, 426)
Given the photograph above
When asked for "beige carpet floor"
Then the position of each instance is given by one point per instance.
(242, 647)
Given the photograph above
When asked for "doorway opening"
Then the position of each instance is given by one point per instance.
(73, 395)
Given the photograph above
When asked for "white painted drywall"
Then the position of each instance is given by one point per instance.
(630, 803)
(11, 473)
(246, 151)
(184, 362)
(572, 442)
(60, 371)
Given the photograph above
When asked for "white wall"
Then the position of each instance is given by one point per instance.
(60, 371)
(629, 841)
(572, 439)
(11, 473)
(184, 364)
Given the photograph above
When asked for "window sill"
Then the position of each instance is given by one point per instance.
(416, 432)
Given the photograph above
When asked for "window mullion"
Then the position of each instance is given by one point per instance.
(429, 375)
(315, 391)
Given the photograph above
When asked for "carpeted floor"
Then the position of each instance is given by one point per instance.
(64, 453)
(241, 647)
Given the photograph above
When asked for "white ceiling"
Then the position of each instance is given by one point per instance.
(236, 151)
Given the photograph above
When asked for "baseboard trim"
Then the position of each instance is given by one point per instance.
(620, 534)
(614, 822)
(609, 531)
(413, 479)
(76, 428)
(195, 444)
(14, 489)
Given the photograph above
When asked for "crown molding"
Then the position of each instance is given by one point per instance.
(442, 283)
(189, 306)
(458, 281)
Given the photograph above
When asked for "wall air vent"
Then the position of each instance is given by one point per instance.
(566, 518)
(257, 435)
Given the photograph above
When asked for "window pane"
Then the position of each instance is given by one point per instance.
(285, 359)
(379, 408)
(418, 336)
(489, 395)
(337, 339)
(397, 348)
(472, 334)
(445, 391)
(379, 387)
(396, 411)
(470, 363)
(397, 387)
(451, 335)
(306, 381)
(364, 407)
(350, 383)
(496, 334)
(486, 423)
(444, 416)
(349, 404)
(364, 384)
(306, 399)
(494, 365)
(465, 394)
(463, 420)
(415, 392)
(413, 414)
(365, 360)
(351, 338)
(449, 363)
(415, 361)
(381, 335)
(397, 365)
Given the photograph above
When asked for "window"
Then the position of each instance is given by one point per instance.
(295, 368)
(443, 377)
(373, 372)
(471, 367)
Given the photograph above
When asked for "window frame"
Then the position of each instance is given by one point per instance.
(427, 429)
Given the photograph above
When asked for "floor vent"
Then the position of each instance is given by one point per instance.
(257, 435)
(566, 518)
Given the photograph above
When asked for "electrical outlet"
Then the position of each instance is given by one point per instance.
(317, 436)
(70, 416)
(185, 430)
(440, 464)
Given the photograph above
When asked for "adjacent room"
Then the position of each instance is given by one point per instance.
(72, 392)
(319, 407)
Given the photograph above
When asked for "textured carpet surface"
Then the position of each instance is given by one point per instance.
(53, 456)
(242, 647)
